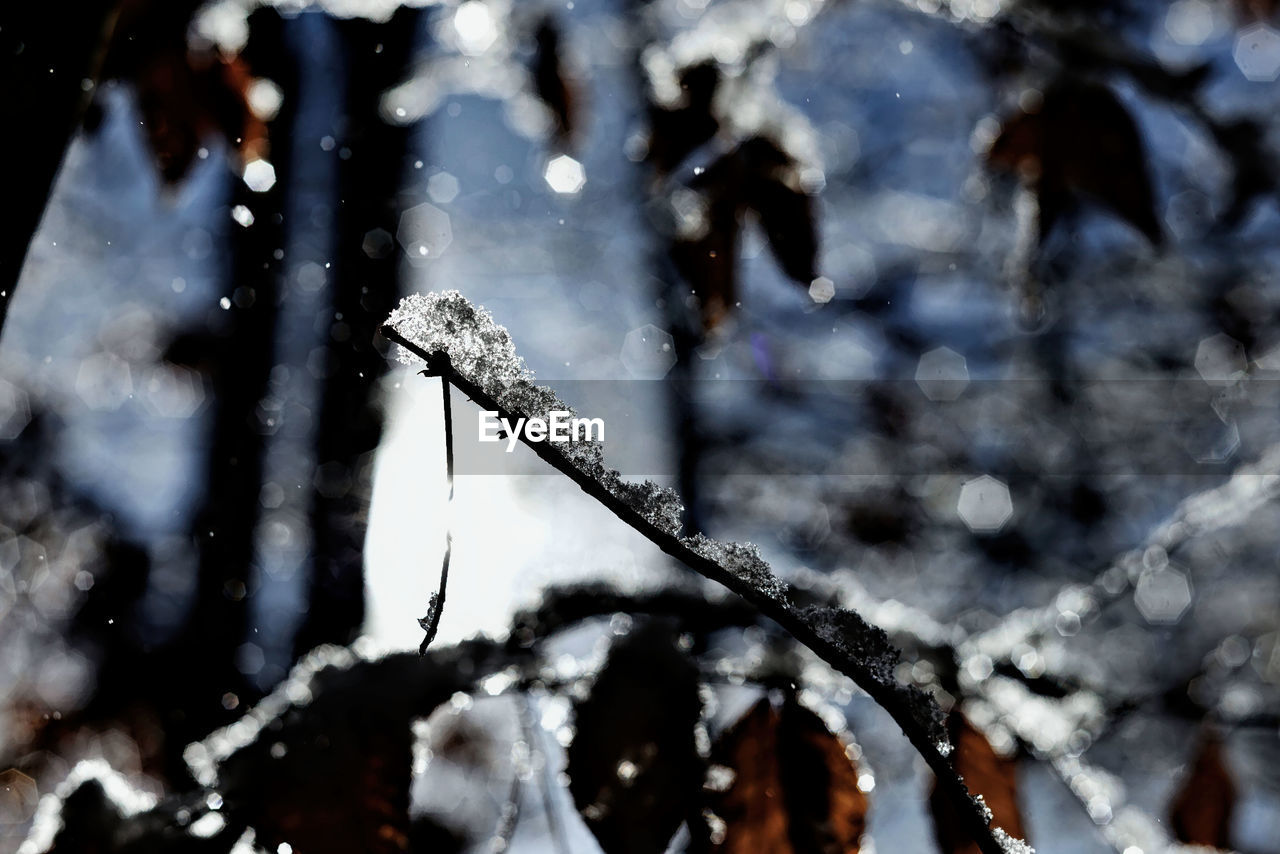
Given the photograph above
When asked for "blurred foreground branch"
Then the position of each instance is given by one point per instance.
(277, 775)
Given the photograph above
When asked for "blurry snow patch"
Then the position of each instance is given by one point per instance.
(1220, 359)
(474, 53)
(978, 11)
(242, 215)
(1163, 594)
(489, 76)
(922, 222)
(247, 843)
(984, 504)
(475, 28)
(726, 33)
(259, 175)
(1224, 506)
(225, 23)
(265, 98)
(746, 102)
(1051, 726)
(424, 233)
(648, 353)
(1257, 53)
(565, 175)
(207, 826)
(942, 374)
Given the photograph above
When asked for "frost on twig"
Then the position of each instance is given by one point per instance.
(480, 352)
(462, 343)
(848, 632)
(483, 352)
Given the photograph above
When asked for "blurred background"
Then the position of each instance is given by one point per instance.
(965, 313)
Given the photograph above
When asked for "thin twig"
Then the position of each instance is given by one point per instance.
(801, 624)
(435, 607)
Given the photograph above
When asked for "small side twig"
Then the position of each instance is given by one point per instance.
(440, 367)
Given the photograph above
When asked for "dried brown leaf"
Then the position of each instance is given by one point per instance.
(1201, 811)
(365, 807)
(709, 261)
(794, 789)
(552, 83)
(674, 132)
(633, 766)
(1079, 140)
(757, 176)
(772, 189)
(185, 96)
(1253, 11)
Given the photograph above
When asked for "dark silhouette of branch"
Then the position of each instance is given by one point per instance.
(46, 58)
(278, 763)
(365, 285)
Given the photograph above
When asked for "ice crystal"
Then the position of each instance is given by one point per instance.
(983, 808)
(478, 348)
(1011, 844)
(742, 560)
(871, 647)
(927, 714)
(853, 636)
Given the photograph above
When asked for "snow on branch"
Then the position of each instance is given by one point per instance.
(463, 345)
(482, 352)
